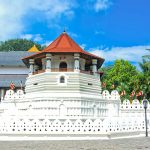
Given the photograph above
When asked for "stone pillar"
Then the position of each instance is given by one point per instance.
(31, 62)
(82, 62)
(2, 94)
(76, 62)
(94, 65)
(43, 64)
(48, 62)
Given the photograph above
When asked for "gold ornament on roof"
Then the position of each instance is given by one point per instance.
(33, 49)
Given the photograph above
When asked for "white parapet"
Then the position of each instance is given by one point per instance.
(18, 115)
(11, 95)
(113, 96)
(30, 125)
(134, 109)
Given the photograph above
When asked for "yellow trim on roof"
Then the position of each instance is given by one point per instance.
(33, 49)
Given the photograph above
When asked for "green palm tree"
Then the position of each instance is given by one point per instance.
(145, 81)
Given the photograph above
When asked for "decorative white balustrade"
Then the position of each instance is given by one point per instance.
(114, 95)
(47, 126)
(131, 118)
(11, 95)
(134, 105)
(134, 109)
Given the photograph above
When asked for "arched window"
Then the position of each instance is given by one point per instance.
(62, 79)
(63, 66)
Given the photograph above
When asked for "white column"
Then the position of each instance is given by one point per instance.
(76, 62)
(31, 62)
(94, 65)
(48, 62)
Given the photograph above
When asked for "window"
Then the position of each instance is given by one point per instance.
(62, 79)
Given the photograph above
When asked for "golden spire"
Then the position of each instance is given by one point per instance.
(33, 49)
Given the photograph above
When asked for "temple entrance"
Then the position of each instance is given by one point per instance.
(63, 67)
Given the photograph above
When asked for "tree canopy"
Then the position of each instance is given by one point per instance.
(145, 77)
(18, 45)
(145, 65)
(124, 77)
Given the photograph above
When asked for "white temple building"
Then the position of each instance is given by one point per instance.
(63, 95)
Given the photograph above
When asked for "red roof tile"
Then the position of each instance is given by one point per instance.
(64, 44)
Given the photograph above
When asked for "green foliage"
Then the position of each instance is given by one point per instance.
(145, 78)
(18, 45)
(124, 76)
(145, 65)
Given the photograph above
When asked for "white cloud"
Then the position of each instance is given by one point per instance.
(26, 36)
(132, 54)
(13, 14)
(10, 18)
(46, 43)
(102, 5)
(38, 38)
(34, 37)
(53, 9)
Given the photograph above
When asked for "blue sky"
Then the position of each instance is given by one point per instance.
(112, 29)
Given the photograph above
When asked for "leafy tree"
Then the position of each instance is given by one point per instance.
(18, 45)
(123, 76)
(145, 65)
(145, 78)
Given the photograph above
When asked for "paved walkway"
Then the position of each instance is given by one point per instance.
(141, 143)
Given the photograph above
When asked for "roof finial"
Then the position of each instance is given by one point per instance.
(64, 30)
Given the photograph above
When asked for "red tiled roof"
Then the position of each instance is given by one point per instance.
(64, 44)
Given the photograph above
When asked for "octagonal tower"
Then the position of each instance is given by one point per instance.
(64, 81)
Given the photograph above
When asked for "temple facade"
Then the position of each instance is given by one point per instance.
(63, 95)
(65, 78)
(64, 81)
